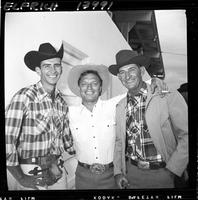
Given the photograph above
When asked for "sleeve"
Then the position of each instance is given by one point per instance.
(13, 124)
(115, 100)
(178, 112)
(67, 136)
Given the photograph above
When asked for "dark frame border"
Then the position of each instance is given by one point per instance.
(191, 8)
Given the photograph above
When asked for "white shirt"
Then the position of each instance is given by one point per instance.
(94, 132)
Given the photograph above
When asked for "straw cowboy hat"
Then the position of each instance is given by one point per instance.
(46, 51)
(126, 57)
(77, 70)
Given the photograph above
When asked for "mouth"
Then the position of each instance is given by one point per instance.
(53, 76)
(89, 93)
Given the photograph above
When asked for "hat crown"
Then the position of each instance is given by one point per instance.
(47, 48)
(124, 56)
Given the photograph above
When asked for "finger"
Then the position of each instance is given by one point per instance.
(39, 176)
(40, 183)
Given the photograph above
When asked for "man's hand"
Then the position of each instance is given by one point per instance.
(121, 181)
(159, 85)
(25, 180)
(31, 181)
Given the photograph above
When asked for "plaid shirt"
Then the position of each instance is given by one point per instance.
(35, 125)
(139, 142)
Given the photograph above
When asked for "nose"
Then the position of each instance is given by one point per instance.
(52, 68)
(89, 86)
(127, 75)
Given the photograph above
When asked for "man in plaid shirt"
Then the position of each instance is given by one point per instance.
(37, 126)
(151, 145)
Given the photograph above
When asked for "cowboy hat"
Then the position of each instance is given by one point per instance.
(126, 57)
(77, 70)
(46, 51)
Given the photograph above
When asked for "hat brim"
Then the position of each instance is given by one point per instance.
(140, 60)
(33, 58)
(76, 71)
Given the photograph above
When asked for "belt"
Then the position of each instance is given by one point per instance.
(36, 160)
(96, 168)
(147, 165)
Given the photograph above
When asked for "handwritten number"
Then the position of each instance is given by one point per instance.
(86, 4)
(110, 5)
(103, 4)
(78, 7)
(95, 4)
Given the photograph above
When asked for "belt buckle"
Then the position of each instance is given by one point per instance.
(97, 168)
(143, 165)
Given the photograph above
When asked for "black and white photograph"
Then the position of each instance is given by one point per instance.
(96, 102)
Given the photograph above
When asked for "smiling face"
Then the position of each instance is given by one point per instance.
(50, 71)
(131, 76)
(90, 88)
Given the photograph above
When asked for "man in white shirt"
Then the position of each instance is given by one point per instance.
(93, 126)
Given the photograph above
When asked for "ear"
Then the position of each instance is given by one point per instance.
(38, 70)
(142, 70)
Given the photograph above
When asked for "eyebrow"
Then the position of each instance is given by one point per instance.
(127, 69)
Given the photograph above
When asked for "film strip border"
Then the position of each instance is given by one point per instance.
(197, 176)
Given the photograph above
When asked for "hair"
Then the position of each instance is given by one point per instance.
(89, 72)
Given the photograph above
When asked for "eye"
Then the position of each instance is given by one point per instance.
(58, 65)
(122, 73)
(46, 66)
(83, 84)
(95, 83)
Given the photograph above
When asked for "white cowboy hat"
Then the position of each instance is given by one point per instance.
(77, 70)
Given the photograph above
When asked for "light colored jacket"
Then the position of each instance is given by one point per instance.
(167, 121)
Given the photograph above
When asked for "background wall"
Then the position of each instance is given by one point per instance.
(93, 33)
(172, 30)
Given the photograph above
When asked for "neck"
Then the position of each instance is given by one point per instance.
(135, 91)
(89, 105)
(50, 89)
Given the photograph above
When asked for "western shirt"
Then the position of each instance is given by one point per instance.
(94, 132)
(140, 144)
(35, 125)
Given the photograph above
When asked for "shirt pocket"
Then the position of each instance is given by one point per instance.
(80, 131)
(42, 124)
(107, 130)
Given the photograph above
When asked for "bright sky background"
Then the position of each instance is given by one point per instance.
(172, 32)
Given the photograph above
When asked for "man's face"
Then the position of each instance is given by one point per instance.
(90, 88)
(50, 71)
(130, 76)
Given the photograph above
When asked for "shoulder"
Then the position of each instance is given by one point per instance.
(74, 109)
(121, 103)
(21, 98)
(114, 100)
(25, 93)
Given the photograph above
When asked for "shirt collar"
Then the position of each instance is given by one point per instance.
(42, 93)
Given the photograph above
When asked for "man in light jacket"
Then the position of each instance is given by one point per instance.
(151, 145)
